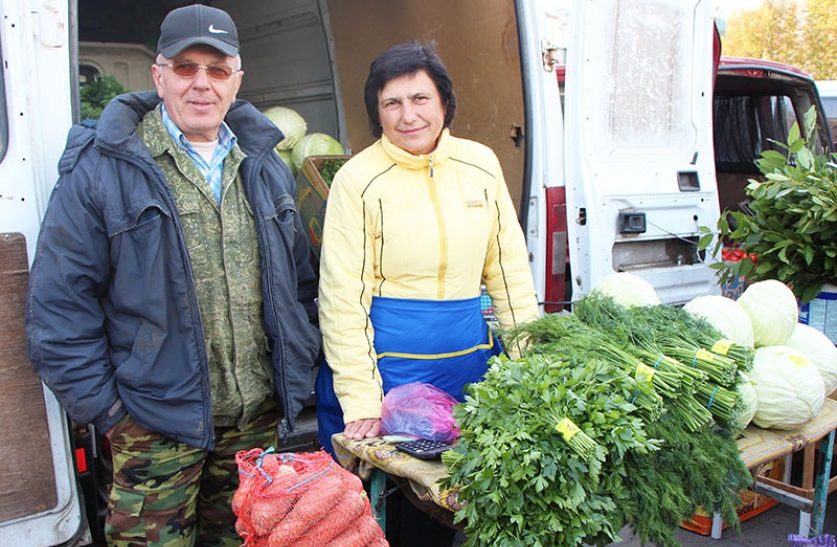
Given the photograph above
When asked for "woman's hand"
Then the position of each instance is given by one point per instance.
(360, 429)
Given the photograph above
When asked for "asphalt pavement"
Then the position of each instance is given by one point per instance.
(769, 529)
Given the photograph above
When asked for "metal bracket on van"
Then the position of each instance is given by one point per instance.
(552, 55)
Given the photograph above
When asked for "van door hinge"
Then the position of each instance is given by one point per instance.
(51, 28)
(552, 55)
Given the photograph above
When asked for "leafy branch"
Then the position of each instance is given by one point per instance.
(790, 228)
(97, 94)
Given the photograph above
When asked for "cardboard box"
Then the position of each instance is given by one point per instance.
(752, 504)
(312, 193)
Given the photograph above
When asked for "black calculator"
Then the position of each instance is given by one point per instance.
(424, 449)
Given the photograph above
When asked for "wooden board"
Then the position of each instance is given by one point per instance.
(28, 480)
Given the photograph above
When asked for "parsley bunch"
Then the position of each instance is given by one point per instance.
(577, 439)
(520, 481)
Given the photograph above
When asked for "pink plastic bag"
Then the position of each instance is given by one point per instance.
(419, 410)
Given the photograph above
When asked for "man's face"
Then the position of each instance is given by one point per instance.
(197, 104)
(411, 111)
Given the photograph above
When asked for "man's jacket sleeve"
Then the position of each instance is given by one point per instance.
(65, 322)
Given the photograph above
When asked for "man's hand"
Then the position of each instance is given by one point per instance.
(359, 429)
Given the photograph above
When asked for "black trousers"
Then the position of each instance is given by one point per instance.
(410, 526)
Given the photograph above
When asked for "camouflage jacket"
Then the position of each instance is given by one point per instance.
(221, 240)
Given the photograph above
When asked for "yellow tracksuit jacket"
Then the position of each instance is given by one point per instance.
(420, 227)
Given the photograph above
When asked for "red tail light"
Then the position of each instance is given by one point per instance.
(81, 460)
(557, 255)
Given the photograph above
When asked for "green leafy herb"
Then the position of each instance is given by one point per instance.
(790, 226)
(329, 168)
(520, 482)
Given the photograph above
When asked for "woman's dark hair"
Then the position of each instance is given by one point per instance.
(404, 59)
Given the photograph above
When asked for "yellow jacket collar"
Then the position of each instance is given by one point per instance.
(410, 161)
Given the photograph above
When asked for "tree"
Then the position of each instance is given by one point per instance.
(780, 31)
(97, 94)
(819, 39)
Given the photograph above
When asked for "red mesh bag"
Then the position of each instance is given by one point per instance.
(301, 499)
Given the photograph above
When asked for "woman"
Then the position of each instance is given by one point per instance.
(414, 224)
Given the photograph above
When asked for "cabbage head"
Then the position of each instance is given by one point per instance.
(726, 315)
(291, 124)
(789, 388)
(773, 311)
(819, 349)
(315, 144)
(285, 156)
(628, 289)
(747, 401)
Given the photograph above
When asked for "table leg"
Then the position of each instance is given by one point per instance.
(826, 450)
(379, 500)
(717, 526)
(804, 523)
(786, 472)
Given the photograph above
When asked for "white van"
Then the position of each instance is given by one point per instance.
(828, 95)
(621, 181)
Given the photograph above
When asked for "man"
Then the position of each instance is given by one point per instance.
(172, 296)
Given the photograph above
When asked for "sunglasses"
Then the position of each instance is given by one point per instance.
(187, 69)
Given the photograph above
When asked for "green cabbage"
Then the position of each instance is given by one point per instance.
(628, 290)
(817, 347)
(315, 144)
(724, 314)
(789, 388)
(747, 401)
(773, 311)
(285, 156)
(291, 124)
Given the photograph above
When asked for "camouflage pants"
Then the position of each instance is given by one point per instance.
(172, 494)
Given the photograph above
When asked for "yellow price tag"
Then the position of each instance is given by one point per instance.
(799, 361)
(644, 372)
(703, 354)
(567, 429)
(722, 346)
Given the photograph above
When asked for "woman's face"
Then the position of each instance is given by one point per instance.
(411, 112)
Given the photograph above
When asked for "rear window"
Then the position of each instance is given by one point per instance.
(830, 106)
(745, 126)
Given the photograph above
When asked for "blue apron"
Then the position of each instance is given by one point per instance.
(446, 343)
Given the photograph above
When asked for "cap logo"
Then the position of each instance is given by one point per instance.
(214, 30)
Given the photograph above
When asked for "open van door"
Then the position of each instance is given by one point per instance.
(638, 144)
(39, 501)
(544, 35)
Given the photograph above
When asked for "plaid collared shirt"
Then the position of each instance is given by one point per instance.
(213, 170)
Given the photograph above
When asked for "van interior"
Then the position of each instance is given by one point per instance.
(291, 49)
(753, 111)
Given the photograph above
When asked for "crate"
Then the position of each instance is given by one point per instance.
(312, 193)
(752, 505)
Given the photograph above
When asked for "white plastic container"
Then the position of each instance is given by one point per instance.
(821, 312)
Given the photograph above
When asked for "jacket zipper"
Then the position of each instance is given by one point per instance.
(443, 243)
(284, 423)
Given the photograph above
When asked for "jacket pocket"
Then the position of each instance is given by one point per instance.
(143, 217)
(284, 210)
(192, 223)
(136, 370)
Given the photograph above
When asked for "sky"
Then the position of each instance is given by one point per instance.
(723, 8)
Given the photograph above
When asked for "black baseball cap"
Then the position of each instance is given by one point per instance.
(197, 24)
